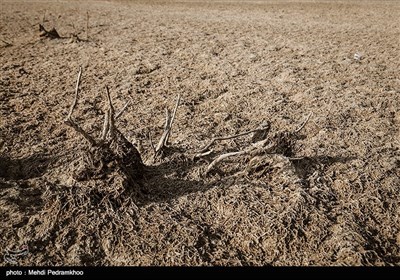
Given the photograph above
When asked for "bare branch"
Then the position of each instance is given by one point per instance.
(178, 100)
(203, 154)
(106, 125)
(164, 136)
(78, 129)
(78, 81)
(109, 119)
(296, 158)
(111, 114)
(169, 119)
(264, 146)
(122, 110)
(110, 105)
(253, 150)
(70, 122)
(222, 157)
(205, 148)
(304, 123)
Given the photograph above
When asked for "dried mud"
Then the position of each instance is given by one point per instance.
(331, 199)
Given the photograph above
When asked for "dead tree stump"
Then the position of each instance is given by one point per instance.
(112, 153)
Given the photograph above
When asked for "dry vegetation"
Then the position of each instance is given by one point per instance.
(303, 165)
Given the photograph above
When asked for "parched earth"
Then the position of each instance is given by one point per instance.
(323, 75)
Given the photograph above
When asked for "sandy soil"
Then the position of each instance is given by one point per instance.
(331, 197)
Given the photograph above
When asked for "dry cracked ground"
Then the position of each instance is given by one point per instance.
(328, 196)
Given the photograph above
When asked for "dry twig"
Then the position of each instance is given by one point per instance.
(200, 155)
(122, 110)
(78, 81)
(222, 157)
(304, 123)
(253, 150)
(173, 117)
(205, 148)
(69, 121)
(169, 119)
(106, 125)
(111, 114)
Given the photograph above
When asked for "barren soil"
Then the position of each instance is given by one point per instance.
(330, 196)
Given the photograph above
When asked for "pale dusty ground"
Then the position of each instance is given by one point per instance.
(236, 64)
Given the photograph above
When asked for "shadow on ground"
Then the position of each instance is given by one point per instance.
(24, 168)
